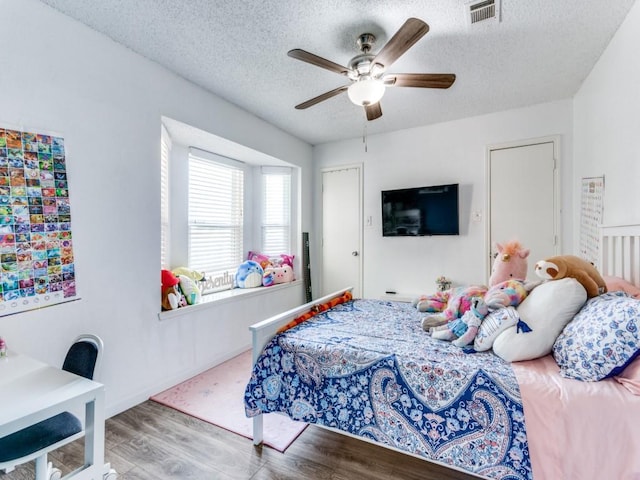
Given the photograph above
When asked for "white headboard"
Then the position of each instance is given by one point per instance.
(620, 252)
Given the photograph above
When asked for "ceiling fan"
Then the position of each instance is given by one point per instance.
(367, 71)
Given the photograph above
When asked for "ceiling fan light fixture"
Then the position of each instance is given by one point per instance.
(367, 91)
(367, 71)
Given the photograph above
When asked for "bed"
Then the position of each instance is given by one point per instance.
(365, 368)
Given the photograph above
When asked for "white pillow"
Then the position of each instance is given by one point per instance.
(546, 311)
(493, 325)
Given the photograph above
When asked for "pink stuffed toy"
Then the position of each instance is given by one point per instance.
(509, 293)
(433, 303)
(443, 307)
(448, 305)
(267, 261)
(276, 275)
(463, 330)
(510, 263)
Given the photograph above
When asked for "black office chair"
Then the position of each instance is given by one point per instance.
(36, 441)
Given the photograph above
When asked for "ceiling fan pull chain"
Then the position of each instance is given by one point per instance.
(364, 138)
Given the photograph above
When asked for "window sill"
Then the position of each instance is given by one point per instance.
(214, 299)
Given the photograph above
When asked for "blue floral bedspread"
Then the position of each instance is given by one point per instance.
(366, 367)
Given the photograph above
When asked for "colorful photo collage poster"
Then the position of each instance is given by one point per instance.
(36, 247)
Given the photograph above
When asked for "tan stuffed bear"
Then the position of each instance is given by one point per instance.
(570, 266)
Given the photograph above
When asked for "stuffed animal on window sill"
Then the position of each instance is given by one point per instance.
(171, 296)
(249, 275)
(190, 290)
(187, 272)
(190, 282)
(276, 275)
(570, 266)
(462, 331)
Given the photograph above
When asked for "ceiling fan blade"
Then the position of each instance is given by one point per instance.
(373, 111)
(420, 80)
(317, 61)
(320, 98)
(410, 32)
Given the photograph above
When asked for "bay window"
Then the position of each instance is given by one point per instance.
(216, 209)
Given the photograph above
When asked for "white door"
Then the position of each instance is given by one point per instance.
(524, 200)
(342, 230)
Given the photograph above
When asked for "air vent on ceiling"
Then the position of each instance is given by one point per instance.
(482, 11)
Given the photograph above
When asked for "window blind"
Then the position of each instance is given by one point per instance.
(165, 152)
(276, 211)
(216, 195)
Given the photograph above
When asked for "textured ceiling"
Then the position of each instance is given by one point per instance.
(541, 51)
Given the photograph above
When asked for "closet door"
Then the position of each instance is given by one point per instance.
(524, 199)
(341, 230)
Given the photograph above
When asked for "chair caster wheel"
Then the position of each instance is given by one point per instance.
(111, 475)
(54, 473)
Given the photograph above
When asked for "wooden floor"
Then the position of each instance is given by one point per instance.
(154, 442)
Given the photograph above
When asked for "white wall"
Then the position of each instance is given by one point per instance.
(599, 135)
(107, 102)
(58, 75)
(607, 125)
(452, 152)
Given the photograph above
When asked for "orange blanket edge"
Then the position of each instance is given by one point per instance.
(316, 309)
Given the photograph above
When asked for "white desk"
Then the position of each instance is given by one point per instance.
(33, 391)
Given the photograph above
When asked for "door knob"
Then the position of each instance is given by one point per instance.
(354, 253)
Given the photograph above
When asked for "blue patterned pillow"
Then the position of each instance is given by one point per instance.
(602, 338)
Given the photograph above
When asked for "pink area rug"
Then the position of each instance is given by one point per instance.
(217, 396)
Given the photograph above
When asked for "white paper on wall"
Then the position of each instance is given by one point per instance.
(591, 214)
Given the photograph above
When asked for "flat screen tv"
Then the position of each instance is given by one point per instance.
(420, 211)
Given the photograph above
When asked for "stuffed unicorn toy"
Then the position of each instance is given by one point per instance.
(510, 263)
